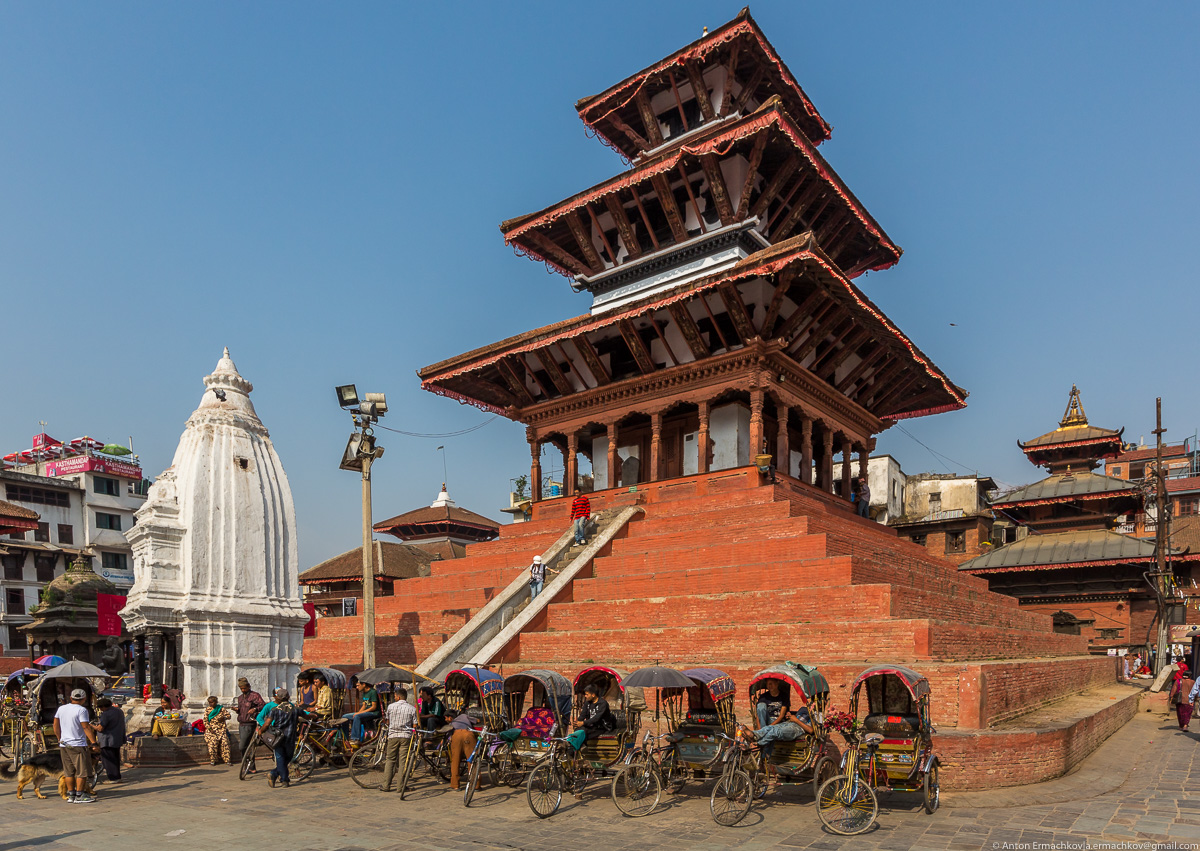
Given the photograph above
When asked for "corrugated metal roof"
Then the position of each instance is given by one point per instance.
(1063, 548)
(1066, 486)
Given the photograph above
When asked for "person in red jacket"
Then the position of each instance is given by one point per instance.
(581, 511)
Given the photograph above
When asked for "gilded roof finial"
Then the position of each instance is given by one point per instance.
(1074, 415)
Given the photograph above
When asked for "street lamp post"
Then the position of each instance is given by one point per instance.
(360, 453)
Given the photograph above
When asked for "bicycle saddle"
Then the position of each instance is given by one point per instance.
(872, 739)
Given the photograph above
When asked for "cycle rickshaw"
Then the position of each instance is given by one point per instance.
(890, 749)
(810, 759)
(318, 740)
(700, 720)
(14, 709)
(366, 765)
(50, 691)
(562, 768)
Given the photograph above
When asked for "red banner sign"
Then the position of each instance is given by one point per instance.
(108, 622)
(87, 463)
(310, 628)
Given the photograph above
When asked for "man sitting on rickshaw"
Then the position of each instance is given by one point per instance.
(777, 723)
(595, 718)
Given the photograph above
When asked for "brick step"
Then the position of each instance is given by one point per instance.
(526, 544)
(470, 576)
(610, 583)
(790, 531)
(710, 502)
(464, 598)
(713, 517)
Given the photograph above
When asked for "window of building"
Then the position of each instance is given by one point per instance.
(66, 533)
(110, 487)
(935, 502)
(14, 566)
(14, 601)
(919, 540)
(42, 533)
(17, 536)
(1115, 472)
(108, 521)
(113, 561)
(44, 565)
(16, 639)
(1189, 505)
(38, 496)
(956, 542)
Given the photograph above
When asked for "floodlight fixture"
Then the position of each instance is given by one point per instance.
(347, 396)
(380, 401)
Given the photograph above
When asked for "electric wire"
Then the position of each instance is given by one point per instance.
(458, 433)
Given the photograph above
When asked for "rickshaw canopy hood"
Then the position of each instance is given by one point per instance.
(558, 688)
(333, 677)
(917, 685)
(805, 678)
(488, 682)
(719, 684)
(632, 696)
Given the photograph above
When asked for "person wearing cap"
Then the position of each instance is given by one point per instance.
(111, 729)
(537, 576)
(283, 721)
(73, 728)
(247, 705)
(864, 497)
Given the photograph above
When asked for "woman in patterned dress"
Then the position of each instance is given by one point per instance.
(216, 736)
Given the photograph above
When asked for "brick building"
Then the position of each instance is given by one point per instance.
(948, 514)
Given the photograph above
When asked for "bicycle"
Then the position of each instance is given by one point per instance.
(437, 762)
(847, 804)
(637, 787)
(734, 792)
(499, 762)
(560, 769)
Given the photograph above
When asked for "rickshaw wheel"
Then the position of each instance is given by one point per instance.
(27, 749)
(845, 807)
(675, 778)
(636, 789)
(247, 759)
(473, 777)
(506, 770)
(731, 798)
(366, 766)
(933, 796)
(824, 770)
(303, 762)
(544, 789)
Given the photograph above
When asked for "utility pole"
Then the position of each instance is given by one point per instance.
(1162, 584)
(368, 611)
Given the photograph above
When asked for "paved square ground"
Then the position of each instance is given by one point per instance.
(1142, 785)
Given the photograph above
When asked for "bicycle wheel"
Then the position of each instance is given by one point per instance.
(847, 805)
(822, 771)
(636, 789)
(731, 798)
(408, 767)
(366, 766)
(304, 760)
(473, 777)
(674, 776)
(438, 763)
(247, 759)
(930, 788)
(544, 789)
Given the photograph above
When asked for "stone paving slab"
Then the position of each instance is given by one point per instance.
(1143, 785)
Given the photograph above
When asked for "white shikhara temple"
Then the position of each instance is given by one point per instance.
(215, 594)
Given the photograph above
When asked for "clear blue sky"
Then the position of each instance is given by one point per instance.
(318, 187)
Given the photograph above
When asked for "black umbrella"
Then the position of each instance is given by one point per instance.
(75, 668)
(658, 677)
(376, 676)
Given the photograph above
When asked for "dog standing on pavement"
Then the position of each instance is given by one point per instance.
(38, 768)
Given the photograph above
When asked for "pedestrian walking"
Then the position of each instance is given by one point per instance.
(1182, 686)
(401, 719)
(462, 744)
(247, 706)
(110, 736)
(537, 576)
(216, 734)
(581, 512)
(73, 729)
(282, 722)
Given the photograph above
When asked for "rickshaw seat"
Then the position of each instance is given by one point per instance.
(893, 726)
(872, 739)
(621, 721)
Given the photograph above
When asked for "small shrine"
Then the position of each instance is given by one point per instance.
(1073, 564)
(442, 529)
(65, 621)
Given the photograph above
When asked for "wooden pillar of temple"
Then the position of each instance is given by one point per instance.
(847, 468)
(572, 465)
(864, 458)
(656, 422)
(157, 672)
(757, 396)
(806, 449)
(535, 465)
(702, 440)
(783, 450)
(614, 468)
(825, 475)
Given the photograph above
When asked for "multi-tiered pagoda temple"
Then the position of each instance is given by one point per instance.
(725, 321)
(1073, 564)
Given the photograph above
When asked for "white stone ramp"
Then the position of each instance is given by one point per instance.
(508, 613)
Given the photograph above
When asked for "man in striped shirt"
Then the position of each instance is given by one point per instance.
(581, 510)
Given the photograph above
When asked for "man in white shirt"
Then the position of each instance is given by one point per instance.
(401, 719)
(75, 736)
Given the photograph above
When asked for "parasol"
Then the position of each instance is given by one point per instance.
(75, 668)
(49, 661)
(658, 677)
(375, 676)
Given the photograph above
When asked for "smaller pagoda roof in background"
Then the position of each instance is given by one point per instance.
(442, 517)
(1068, 487)
(1060, 550)
(16, 518)
(392, 561)
(1073, 432)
